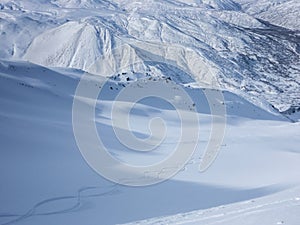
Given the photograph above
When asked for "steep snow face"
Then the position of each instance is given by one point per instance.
(212, 4)
(48, 4)
(211, 38)
(84, 3)
(283, 13)
(66, 45)
(223, 4)
(18, 29)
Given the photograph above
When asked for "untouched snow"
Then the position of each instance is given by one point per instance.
(46, 181)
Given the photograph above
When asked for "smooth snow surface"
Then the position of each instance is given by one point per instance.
(46, 181)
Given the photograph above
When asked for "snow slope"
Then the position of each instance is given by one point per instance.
(46, 181)
(283, 13)
(280, 208)
(246, 50)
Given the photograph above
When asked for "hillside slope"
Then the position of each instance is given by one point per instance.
(46, 180)
(282, 13)
(210, 38)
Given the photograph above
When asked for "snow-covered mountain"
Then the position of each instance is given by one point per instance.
(284, 13)
(247, 51)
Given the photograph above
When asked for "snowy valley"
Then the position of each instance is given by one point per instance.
(228, 73)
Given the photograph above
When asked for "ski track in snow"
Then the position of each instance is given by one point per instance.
(249, 47)
(52, 90)
(226, 213)
(78, 197)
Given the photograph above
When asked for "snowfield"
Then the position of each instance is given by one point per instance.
(45, 179)
(280, 208)
(224, 84)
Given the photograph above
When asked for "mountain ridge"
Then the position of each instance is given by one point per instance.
(245, 52)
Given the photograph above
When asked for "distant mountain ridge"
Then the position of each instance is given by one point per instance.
(250, 52)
